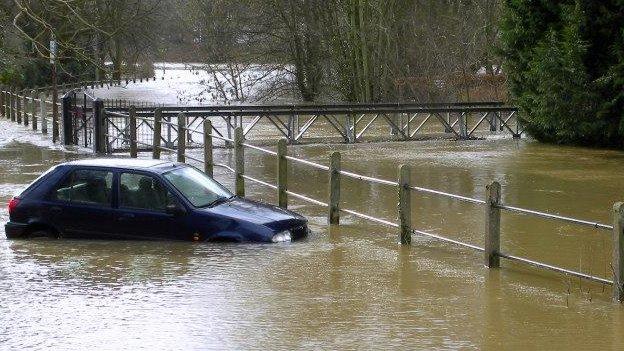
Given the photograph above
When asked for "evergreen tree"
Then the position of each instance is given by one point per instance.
(565, 63)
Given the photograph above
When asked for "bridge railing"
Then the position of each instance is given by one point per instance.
(491, 203)
(348, 123)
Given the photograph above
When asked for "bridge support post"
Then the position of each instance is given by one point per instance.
(463, 126)
(181, 138)
(239, 156)
(334, 188)
(349, 130)
(447, 128)
(157, 134)
(43, 113)
(282, 174)
(99, 127)
(405, 205)
(394, 117)
(228, 121)
(208, 162)
(491, 118)
(132, 128)
(492, 225)
(296, 125)
(291, 128)
(68, 136)
(618, 252)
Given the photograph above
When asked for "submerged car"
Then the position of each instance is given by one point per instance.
(143, 199)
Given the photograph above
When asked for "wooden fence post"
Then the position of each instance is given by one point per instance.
(12, 103)
(100, 128)
(334, 188)
(618, 252)
(55, 116)
(492, 225)
(70, 136)
(25, 118)
(239, 156)
(181, 137)
(33, 110)
(18, 109)
(2, 101)
(157, 134)
(208, 166)
(282, 174)
(405, 205)
(133, 131)
(43, 113)
(5, 101)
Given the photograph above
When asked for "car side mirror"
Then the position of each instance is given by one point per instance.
(175, 210)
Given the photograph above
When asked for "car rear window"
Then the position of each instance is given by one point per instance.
(37, 181)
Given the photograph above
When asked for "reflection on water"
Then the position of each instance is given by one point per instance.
(348, 287)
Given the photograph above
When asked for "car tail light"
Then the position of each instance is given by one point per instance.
(13, 204)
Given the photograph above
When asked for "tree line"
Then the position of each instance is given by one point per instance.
(565, 65)
(560, 61)
(348, 50)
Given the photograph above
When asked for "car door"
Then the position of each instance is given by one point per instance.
(80, 206)
(142, 209)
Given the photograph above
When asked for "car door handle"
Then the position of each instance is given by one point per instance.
(126, 216)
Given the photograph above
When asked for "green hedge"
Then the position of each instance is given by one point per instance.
(565, 63)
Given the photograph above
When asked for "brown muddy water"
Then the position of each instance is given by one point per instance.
(347, 287)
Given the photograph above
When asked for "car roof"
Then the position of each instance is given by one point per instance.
(125, 163)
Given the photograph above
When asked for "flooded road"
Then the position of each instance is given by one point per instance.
(348, 287)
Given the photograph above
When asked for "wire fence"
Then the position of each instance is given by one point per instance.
(492, 251)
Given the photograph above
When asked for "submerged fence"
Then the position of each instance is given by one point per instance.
(491, 204)
(43, 109)
(105, 131)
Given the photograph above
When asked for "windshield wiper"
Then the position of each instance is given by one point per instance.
(217, 201)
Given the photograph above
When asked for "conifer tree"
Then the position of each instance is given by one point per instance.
(565, 63)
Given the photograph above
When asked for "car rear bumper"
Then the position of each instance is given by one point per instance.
(14, 230)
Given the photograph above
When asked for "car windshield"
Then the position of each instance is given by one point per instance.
(197, 187)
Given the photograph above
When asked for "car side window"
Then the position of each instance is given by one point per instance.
(86, 186)
(143, 192)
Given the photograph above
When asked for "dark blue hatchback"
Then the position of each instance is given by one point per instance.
(143, 199)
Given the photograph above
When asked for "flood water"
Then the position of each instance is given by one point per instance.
(346, 287)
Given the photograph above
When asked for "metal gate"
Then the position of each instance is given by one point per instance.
(79, 122)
